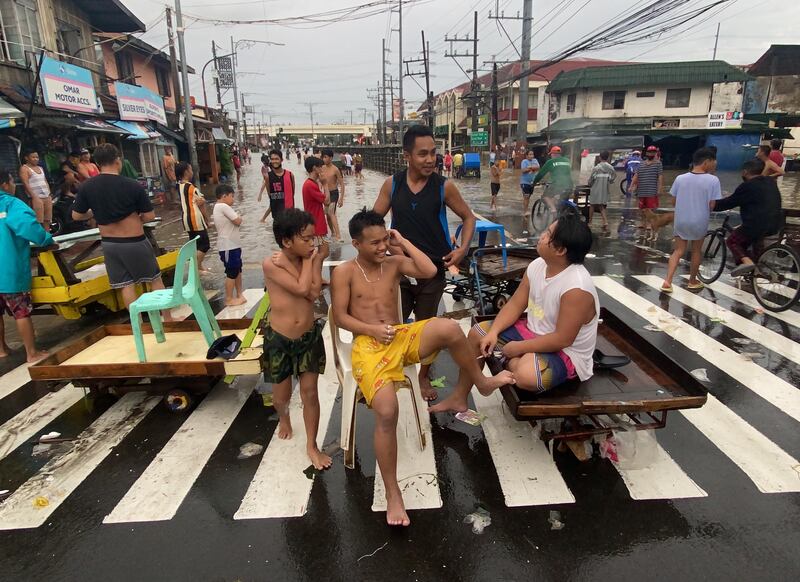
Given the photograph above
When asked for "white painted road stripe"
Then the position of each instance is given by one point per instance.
(771, 468)
(774, 390)
(253, 296)
(13, 380)
(184, 311)
(527, 473)
(790, 317)
(416, 469)
(279, 487)
(36, 500)
(38, 415)
(160, 490)
(771, 340)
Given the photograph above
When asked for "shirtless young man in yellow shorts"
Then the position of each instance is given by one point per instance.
(365, 292)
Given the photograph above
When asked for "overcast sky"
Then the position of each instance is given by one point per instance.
(332, 66)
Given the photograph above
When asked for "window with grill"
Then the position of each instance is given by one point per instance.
(678, 98)
(571, 98)
(162, 78)
(20, 29)
(614, 99)
(68, 38)
(124, 67)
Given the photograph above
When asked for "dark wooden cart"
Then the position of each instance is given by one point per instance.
(105, 360)
(484, 280)
(640, 393)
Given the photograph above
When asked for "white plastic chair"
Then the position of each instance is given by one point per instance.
(351, 394)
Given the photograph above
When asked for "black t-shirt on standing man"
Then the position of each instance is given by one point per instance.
(112, 198)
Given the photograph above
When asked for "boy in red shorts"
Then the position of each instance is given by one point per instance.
(648, 181)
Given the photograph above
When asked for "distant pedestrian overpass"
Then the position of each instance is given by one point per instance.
(306, 131)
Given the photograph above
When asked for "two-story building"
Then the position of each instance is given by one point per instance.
(451, 119)
(673, 105)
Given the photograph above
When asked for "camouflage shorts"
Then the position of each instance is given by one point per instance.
(284, 357)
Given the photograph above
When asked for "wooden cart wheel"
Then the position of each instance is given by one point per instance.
(178, 400)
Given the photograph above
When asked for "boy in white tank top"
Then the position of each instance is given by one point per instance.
(547, 331)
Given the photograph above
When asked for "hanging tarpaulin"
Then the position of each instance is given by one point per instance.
(139, 104)
(67, 87)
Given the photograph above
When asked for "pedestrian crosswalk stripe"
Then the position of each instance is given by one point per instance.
(790, 317)
(764, 336)
(13, 380)
(160, 490)
(279, 487)
(526, 470)
(771, 468)
(771, 388)
(36, 500)
(184, 311)
(35, 417)
(416, 469)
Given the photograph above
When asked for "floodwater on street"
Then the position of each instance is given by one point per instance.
(148, 494)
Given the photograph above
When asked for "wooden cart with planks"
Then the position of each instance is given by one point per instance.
(638, 393)
(105, 360)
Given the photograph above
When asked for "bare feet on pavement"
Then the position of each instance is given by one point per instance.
(429, 393)
(36, 356)
(453, 403)
(396, 511)
(236, 301)
(284, 428)
(319, 459)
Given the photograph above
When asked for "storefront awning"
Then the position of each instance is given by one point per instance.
(137, 130)
(81, 124)
(8, 114)
(219, 136)
(168, 133)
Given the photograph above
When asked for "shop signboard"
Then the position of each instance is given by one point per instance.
(483, 120)
(139, 104)
(67, 87)
(479, 138)
(725, 119)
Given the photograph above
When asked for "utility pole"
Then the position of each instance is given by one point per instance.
(426, 47)
(384, 50)
(216, 67)
(350, 111)
(472, 96)
(495, 138)
(244, 119)
(400, 67)
(716, 40)
(188, 123)
(364, 109)
(235, 92)
(425, 73)
(522, 116)
(500, 16)
(173, 62)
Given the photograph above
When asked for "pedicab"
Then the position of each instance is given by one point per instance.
(72, 278)
(472, 165)
(635, 385)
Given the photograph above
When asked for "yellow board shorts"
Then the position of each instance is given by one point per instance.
(376, 364)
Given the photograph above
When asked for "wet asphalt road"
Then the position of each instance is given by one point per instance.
(743, 528)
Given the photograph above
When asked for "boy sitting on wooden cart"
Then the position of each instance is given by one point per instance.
(554, 341)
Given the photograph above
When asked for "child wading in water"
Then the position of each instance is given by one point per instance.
(292, 338)
(229, 245)
(695, 193)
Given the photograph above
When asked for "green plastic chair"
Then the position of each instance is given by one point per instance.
(188, 293)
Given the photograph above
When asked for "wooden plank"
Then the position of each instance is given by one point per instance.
(35, 501)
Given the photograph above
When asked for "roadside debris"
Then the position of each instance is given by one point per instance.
(248, 450)
(700, 374)
(742, 341)
(47, 449)
(438, 382)
(41, 502)
(480, 519)
(650, 327)
(471, 417)
(555, 520)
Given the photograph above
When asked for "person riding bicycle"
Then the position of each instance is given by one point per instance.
(631, 165)
(759, 201)
(561, 182)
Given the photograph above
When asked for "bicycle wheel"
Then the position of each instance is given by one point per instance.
(540, 215)
(776, 280)
(712, 259)
(623, 186)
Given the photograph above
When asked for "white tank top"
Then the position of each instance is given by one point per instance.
(38, 183)
(544, 302)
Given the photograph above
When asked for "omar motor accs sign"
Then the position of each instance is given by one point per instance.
(67, 87)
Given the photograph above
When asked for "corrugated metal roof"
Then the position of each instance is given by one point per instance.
(649, 74)
(779, 60)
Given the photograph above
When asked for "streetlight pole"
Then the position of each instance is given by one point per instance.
(235, 94)
(187, 104)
